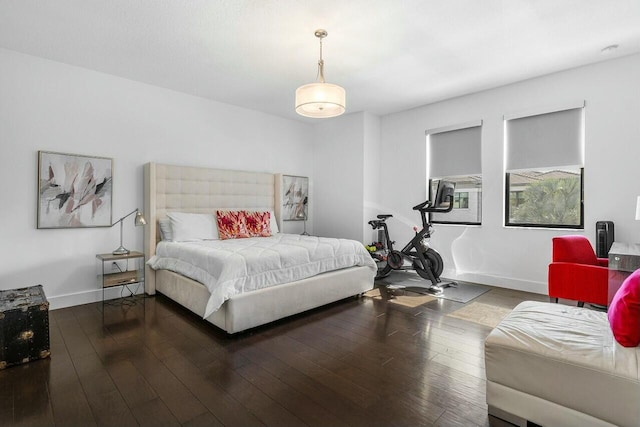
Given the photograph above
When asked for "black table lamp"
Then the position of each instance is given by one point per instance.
(138, 221)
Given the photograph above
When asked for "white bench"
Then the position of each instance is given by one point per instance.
(557, 365)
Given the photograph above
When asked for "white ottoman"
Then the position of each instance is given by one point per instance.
(557, 365)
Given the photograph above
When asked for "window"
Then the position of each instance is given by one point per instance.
(544, 173)
(453, 154)
(467, 200)
(548, 198)
(516, 196)
(461, 200)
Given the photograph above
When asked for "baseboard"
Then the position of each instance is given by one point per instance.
(95, 295)
(499, 282)
(86, 297)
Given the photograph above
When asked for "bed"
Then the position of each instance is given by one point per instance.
(172, 188)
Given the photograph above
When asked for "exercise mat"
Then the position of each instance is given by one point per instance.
(410, 281)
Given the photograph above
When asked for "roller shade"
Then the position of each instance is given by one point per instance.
(455, 152)
(545, 140)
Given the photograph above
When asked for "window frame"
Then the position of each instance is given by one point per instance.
(547, 226)
(532, 135)
(461, 168)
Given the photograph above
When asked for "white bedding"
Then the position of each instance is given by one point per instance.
(230, 267)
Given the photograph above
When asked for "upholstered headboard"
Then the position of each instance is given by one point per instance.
(170, 188)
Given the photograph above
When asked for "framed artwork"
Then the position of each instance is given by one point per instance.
(74, 191)
(295, 195)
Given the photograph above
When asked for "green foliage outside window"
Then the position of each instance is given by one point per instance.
(549, 201)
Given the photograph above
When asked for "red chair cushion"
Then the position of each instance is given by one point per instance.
(575, 249)
(579, 282)
(624, 312)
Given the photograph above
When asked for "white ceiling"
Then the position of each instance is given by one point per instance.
(389, 55)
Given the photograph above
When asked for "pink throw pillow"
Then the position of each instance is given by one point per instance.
(231, 225)
(258, 223)
(624, 312)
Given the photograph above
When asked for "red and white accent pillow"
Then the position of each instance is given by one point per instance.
(231, 225)
(258, 223)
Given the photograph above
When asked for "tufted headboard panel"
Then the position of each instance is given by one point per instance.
(171, 188)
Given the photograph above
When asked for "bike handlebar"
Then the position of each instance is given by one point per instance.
(422, 205)
(376, 223)
(427, 207)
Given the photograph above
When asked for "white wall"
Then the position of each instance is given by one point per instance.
(518, 258)
(371, 174)
(338, 176)
(45, 105)
(346, 169)
(358, 165)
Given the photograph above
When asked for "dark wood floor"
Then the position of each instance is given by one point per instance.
(358, 362)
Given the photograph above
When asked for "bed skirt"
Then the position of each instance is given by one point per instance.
(251, 309)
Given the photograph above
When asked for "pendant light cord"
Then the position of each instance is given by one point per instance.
(320, 76)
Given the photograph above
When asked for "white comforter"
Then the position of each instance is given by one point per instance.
(230, 267)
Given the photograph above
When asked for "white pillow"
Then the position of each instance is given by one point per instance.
(165, 229)
(187, 227)
(273, 223)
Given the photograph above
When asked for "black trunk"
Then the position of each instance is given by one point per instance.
(24, 325)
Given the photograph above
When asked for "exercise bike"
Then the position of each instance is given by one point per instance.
(425, 260)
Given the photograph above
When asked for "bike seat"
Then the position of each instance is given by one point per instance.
(384, 216)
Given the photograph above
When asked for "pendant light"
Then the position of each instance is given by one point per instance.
(320, 99)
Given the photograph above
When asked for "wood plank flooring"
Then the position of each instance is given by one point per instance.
(358, 362)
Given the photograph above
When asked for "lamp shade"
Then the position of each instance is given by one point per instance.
(139, 219)
(320, 100)
(638, 209)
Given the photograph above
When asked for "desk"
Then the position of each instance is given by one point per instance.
(624, 259)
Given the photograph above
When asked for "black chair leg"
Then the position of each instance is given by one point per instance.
(580, 303)
(552, 299)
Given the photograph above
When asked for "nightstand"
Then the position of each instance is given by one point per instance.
(125, 270)
(624, 259)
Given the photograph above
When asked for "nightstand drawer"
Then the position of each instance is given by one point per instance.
(628, 263)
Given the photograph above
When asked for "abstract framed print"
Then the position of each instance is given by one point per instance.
(295, 191)
(74, 191)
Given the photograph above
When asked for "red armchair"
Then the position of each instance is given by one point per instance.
(576, 273)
